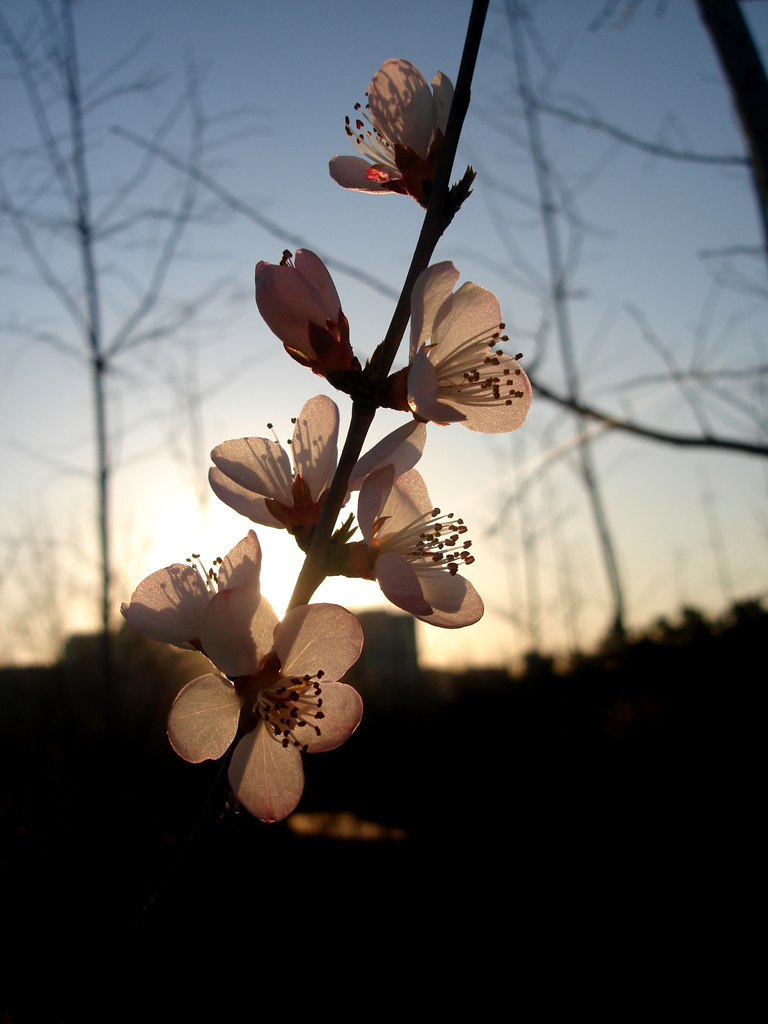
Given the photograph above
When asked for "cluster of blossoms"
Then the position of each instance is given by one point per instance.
(277, 693)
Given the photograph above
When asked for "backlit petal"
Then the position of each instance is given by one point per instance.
(315, 437)
(242, 566)
(237, 631)
(238, 498)
(469, 312)
(343, 709)
(317, 637)
(455, 601)
(350, 172)
(442, 98)
(433, 286)
(402, 449)
(168, 606)
(315, 272)
(203, 719)
(400, 584)
(424, 392)
(258, 465)
(266, 777)
(400, 102)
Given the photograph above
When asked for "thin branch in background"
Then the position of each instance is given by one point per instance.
(559, 282)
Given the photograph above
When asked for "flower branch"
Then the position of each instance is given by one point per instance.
(442, 207)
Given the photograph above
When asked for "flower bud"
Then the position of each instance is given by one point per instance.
(299, 303)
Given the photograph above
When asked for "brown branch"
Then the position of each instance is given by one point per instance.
(665, 437)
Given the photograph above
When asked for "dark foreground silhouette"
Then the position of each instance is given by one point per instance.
(448, 836)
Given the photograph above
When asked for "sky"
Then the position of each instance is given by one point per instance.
(275, 82)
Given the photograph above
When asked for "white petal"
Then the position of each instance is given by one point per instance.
(424, 391)
(315, 437)
(318, 637)
(442, 98)
(238, 498)
(400, 584)
(266, 777)
(258, 465)
(349, 172)
(343, 709)
(471, 311)
(400, 102)
(433, 286)
(237, 631)
(168, 606)
(401, 449)
(242, 566)
(455, 601)
(203, 719)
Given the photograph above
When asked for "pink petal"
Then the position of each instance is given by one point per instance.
(266, 777)
(242, 566)
(400, 584)
(373, 494)
(433, 286)
(238, 498)
(498, 418)
(315, 438)
(315, 272)
(288, 303)
(401, 449)
(455, 601)
(258, 465)
(350, 171)
(424, 390)
(407, 500)
(471, 311)
(442, 98)
(343, 709)
(237, 631)
(400, 103)
(168, 606)
(203, 719)
(318, 637)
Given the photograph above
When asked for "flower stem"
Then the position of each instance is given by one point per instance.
(440, 212)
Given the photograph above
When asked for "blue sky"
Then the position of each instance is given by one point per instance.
(290, 73)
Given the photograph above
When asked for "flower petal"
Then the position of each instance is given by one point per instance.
(442, 98)
(401, 449)
(203, 719)
(168, 606)
(423, 392)
(350, 172)
(400, 102)
(400, 584)
(373, 494)
(266, 777)
(238, 498)
(318, 637)
(498, 417)
(469, 312)
(315, 437)
(258, 465)
(237, 630)
(432, 288)
(315, 272)
(242, 566)
(288, 303)
(407, 500)
(343, 709)
(455, 601)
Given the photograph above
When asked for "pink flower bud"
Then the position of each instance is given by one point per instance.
(299, 303)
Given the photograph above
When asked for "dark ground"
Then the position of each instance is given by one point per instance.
(596, 816)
